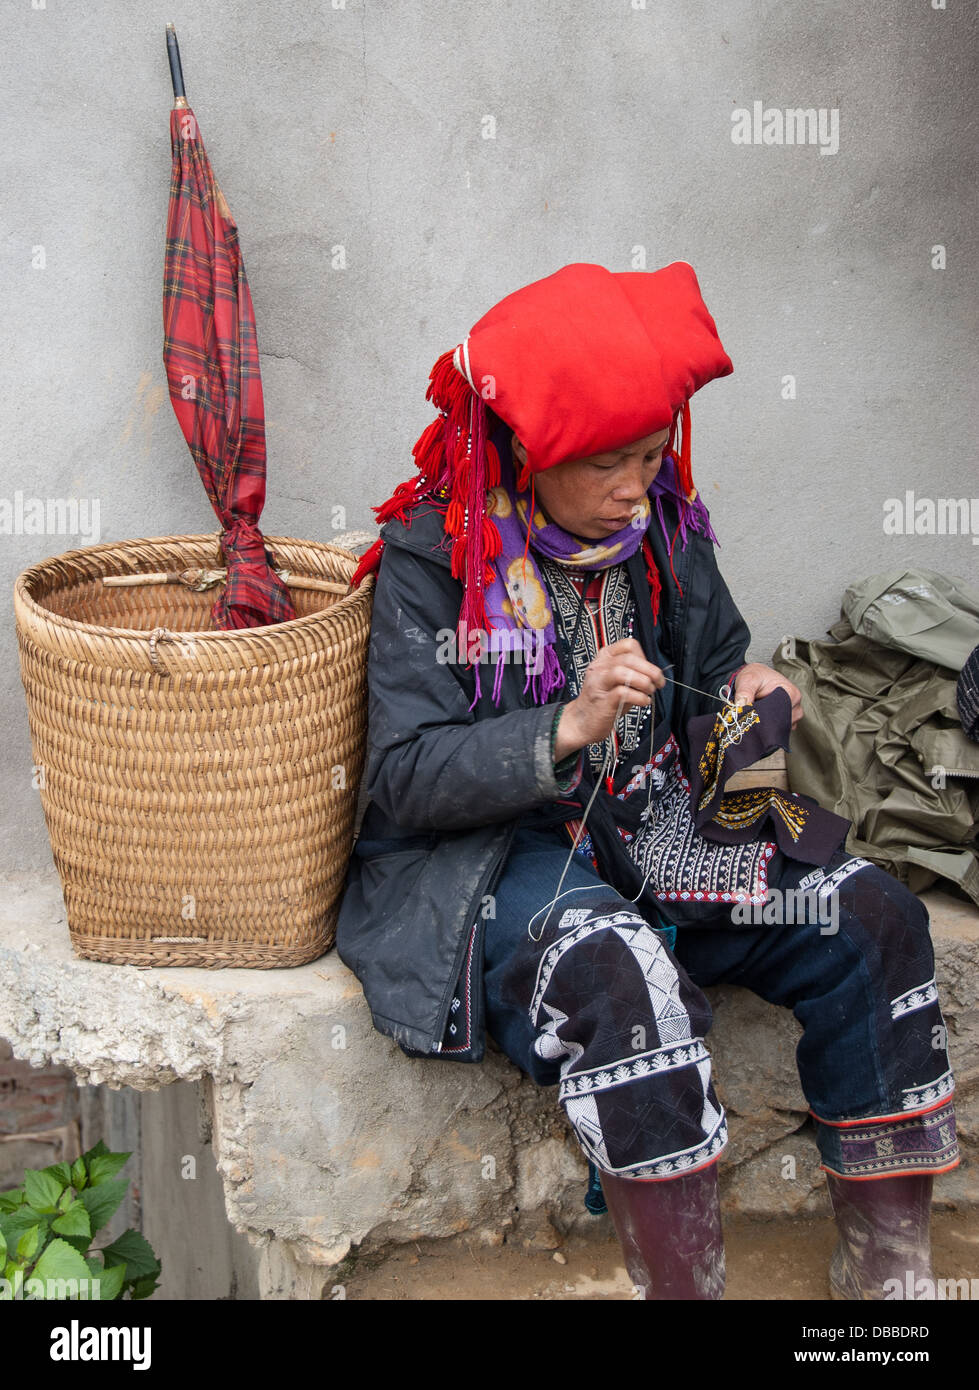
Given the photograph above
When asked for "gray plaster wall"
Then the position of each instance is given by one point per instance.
(379, 222)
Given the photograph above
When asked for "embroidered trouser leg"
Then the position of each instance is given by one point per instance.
(588, 997)
(600, 1006)
(858, 972)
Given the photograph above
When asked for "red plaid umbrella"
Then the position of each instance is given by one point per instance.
(210, 352)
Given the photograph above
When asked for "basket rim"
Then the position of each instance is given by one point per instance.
(22, 595)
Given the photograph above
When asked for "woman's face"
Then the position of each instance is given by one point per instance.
(595, 496)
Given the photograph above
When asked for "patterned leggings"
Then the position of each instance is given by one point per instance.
(602, 1007)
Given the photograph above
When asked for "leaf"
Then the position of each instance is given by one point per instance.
(115, 1278)
(100, 1202)
(137, 1253)
(75, 1221)
(65, 1200)
(3, 1248)
(105, 1166)
(79, 1243)
(143, 1288)
(79, 1174)
(42, 1190)
(110, 1282)
(14, 1224)
(93, 1152)
(10, 1201)
(60, 1261)
(12, 1229)
(61, 1172)
(29, 1243)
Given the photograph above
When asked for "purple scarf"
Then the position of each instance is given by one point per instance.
(517, 602)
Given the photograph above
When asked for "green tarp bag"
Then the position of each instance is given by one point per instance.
(881, 741)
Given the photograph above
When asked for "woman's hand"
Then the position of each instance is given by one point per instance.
(619, 674)
(755, 680)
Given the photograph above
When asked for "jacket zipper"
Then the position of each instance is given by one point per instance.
(487, 878)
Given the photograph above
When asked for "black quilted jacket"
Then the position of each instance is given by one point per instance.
(447, 785)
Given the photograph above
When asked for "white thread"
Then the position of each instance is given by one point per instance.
(574, 844)
(598, 783)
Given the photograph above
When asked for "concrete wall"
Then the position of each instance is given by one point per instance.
(271, 1150)
(362, 125)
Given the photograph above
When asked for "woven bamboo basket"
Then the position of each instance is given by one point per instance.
(199, 786)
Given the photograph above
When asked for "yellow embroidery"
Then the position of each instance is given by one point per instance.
(744, 808)
(730, 726)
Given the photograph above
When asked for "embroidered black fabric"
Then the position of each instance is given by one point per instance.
(614, 618)
(723, 744)
(639, 742)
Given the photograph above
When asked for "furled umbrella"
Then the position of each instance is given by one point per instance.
(210, 351)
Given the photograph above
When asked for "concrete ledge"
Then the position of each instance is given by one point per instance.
(327, 1137)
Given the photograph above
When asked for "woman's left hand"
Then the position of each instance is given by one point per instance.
(755, 680)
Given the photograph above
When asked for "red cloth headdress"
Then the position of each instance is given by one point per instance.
(581, 362)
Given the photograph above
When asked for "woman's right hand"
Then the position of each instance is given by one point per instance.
(619, 674)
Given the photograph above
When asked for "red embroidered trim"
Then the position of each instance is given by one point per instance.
(903, 1172)
(883, 1119)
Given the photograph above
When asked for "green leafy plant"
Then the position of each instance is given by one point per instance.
(47, 1226)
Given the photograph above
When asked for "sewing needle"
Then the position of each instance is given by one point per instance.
(723, 700)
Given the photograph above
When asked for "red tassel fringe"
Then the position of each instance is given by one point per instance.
(369, 562)
(454, 452)
(684, 471)
(652, 574)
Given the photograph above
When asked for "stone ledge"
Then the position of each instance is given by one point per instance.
(326, 1136)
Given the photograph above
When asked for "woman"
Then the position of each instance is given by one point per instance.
(548, 620)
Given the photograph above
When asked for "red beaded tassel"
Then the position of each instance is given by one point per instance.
(684, 470)
(652, 574)
(435, 453)
(476, 537)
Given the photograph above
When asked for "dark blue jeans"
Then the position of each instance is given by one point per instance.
(602, 1007)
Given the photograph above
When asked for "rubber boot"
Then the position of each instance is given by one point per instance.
(884, 1227)
(670, 1233)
